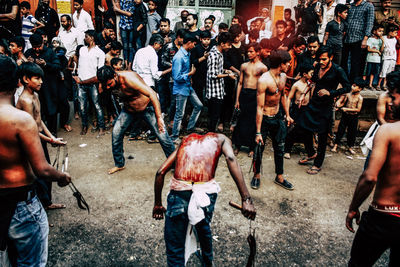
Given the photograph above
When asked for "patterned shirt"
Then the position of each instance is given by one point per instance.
(126, 23)
(359, 22)
(215, 85)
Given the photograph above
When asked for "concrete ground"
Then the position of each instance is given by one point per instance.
(304, 227)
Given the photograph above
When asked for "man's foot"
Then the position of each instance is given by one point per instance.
(152, 141)
(351, 151)
(285, 184)
(67, 128)
(255, 183)
(220, 128)
(306, 160)
(286, 155)
(55, 206)
(251, 153)
(313, 170)
(115, 169)
(84, 131)
(236, 151)
(76, 116)
(334, 149)
(94, 129)
(101, 133)
(378, 88)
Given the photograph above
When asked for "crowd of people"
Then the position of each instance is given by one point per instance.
(251, 79)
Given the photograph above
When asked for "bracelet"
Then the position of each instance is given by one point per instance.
(258, 133)
(246, 199)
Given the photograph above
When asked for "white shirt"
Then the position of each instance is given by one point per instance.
(389, 50)
(89, 62)
(71, 39)
(145, 64)
(83, 22)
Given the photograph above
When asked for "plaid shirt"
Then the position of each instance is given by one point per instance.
(214, 85)
(126, 23)
(359, 22)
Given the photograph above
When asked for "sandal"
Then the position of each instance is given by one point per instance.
(313, 170)
(306, 160)
(285, 184)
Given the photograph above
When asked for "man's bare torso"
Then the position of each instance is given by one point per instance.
(352, 102)
(273, 92)
(301, 87)
(27, 98)
(389, 108)
(134, 100)
(197, 158)
(251, 73)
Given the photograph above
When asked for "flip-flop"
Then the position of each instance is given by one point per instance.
(313, 171)
(306, 160)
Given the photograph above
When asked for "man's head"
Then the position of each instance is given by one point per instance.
(225, 41)
(307, 71)
(8, 75)
(252, 25)
(180, 34)
(66, 21)
(90, 37)
(25, 8)
(287, 15)
(341, 11)
(392, 31)
(290, 27)
(358, 84)
(205, 38)
(378, 30)
(17, 45)
(56, 42)
(42, 33)
(266, 48)
(116, 48)
(78, 5)
(235, 30)
(325, 56)
(107, 76)
(259, 22)
(299, 45)
(264, 12)
(223, 27)
(208, 24)
(386, 4)
(184, 15)
(108, 29)
(280, 26)
(45, 3)
(312, 45)
(156, 41)
(393, 84)
(152, 4)
(165, 25)
(4, 48)
(236, 20)
(280, 59)
(31, 76)
(192, 20)
(189, 42)
(138, 2)
(117, 63)
(254, 35)
(37, 43)
(253, 50)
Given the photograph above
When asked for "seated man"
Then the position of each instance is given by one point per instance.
(135, 95)
(195, 163)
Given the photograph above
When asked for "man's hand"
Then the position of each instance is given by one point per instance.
(349, 219)
(40, 61)
(30, 59)
(259, 139)
(77, 79)
(161, 126)
(232, 76)
(192, 71)
(248, 209)
(237, 105)
(364, 43)
(59, 142)
(323, 92)
(65, 180)
(289, 120)
(158, 212)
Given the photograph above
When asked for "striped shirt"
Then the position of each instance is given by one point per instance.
(215, 85)
(28, 23)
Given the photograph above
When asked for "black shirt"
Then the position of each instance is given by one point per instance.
(309, 17)
(195, 34)
(11, 27)
(276, 43)
(49, 18)
(199, 78)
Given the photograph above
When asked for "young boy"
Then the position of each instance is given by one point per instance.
(375, 49)
(153, 20)
(389, 54)
(334, 32)
(115, 51)
(29, 23)
(139, 23)
(350, 104)
(17, 46)
(117, 63)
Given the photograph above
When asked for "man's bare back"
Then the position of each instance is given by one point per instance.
(384, 109)
(197, 157)
(273, 88)
(30, 103)
(251, 73)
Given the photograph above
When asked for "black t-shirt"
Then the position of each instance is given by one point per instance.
(276, 43)
(12, 27)
(336, 31)
(195, 34)
(310, 19)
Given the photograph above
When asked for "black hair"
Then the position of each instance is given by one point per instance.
(224, 37)
(195, 17)
(377, 26)
(8, 74)
(208, 18)
(36, 39)
(288, 10)
(108, 25)
(105, 73)
(78, 48)
(115, 45)
(212, 17)
(184, 11)
(155, 2)
(299, 41)
(205, 34)
(79, 2)
(29, 70)
(305, 68)
(281, 22)
(266, 44)
(4, 44)
(235, 30)
(360, 82)
(239, 18)
(189, 38)
(19, 41)
(40, 32)
(254, 34)
(340, 8)
(181, 33)
(392, 28)
(156, 38)
(165, 20)
(67, 17)
(278, 57)
(115, 60)
(25, 4)
(312, 39)
(255, 45)
(91, 33)
(223, 26)
(324, 49)
(392, 81)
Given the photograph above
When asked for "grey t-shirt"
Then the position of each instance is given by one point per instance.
(336, 31)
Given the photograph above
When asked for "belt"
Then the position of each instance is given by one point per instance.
(19, 194)
(386, 208)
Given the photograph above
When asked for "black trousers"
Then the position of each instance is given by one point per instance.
(377, 232)
(321, 149)
(43, 187)
(350, 122)
(214, 112)
(358, 57)
(298, 134)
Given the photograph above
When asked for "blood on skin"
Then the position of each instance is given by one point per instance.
(197, 158)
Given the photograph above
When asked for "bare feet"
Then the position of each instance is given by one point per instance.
(84, 131)
(115, 169)
(76, 116)
(101, 133)
(251, 153)
(67, 128)
(334, 148)
(286, 155)
(55, 206)
(352, 151)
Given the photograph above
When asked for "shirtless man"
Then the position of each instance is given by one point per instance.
(136, 97)
(17, 46)
(246, 99)
(115, 51)
(31, 77)
(380, 226)
(270, 120)
(195, 163)
(301, 92)
(21, 159)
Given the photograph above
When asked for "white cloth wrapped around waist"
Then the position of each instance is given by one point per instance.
(368, 141)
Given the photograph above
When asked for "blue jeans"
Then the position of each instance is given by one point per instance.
(28, 231)
(84, 91)
(176, 222)
(180, 110)
(125, 119)
(127, 42)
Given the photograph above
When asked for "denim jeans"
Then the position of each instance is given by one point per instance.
(176, 222)
(28, 231)
(164, 92)
(127, 42)
(84, 91)
(125, 119)
(180, 110)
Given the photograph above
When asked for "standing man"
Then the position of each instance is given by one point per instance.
(387, 16)
(359, 27)
(69, 36)
(22, 160)
(81, 20)
(183, 23)
(215, 87)
(270, 120)
(280, 41)
(311, 17)
(329, 14)
(136, 97)
(379, 226)
(165, 30)
(49, 17)
(194, 178)
(91, 58)
(192, 20)
(182, 72)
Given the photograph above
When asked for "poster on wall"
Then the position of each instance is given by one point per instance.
(64, 7)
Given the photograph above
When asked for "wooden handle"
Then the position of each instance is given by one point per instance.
(235, 205)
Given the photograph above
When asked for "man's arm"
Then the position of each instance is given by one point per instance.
(356, 109)
(369, 177)
(10, 16)
(370, 16)
(212, 70)
(248, 209)
(381, 109)
(158, 209)
(261, 88)
(285, 105)
(240, 85)
(155, 73)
